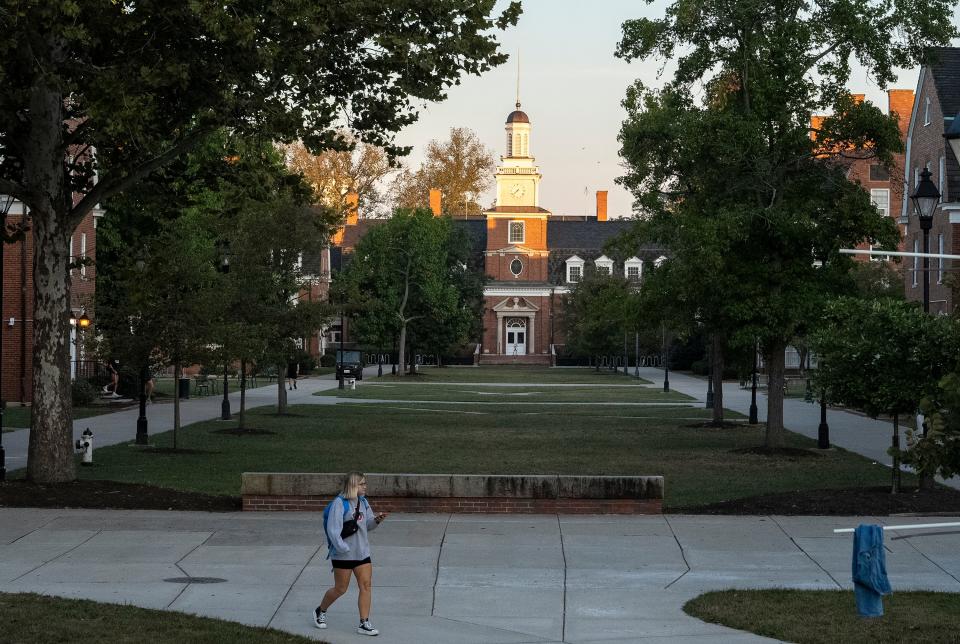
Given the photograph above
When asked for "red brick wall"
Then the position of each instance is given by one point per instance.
(927, 146)
(17, 304)
(541, 324)
(535, 233)
(534, 268)
(464, 505)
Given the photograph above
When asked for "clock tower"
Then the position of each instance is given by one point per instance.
(518, 179)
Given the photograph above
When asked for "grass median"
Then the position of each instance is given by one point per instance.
(828, 616)
(701, 465)
(40, 620)
(516, 374)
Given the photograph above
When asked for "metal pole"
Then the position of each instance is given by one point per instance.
(340, 386)
(926, 269)
(753, 389)
(666, 360)
(709, 404)
(636, 354)
(225, 405)
(626, 356)
(823, 430)
(142, 436)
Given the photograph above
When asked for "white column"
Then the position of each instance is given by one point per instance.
(530, 349)
(499, 333)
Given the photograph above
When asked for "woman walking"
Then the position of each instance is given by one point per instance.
(349, 518)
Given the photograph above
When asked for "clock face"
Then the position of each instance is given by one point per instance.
(518, 190)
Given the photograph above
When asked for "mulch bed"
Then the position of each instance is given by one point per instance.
(112, 495)
(859, 501)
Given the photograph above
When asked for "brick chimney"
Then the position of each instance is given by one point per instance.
(435, 201)
(353, 208)
(900, 102)
(858, 98)
(601, 205)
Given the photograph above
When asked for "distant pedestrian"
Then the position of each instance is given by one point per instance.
(350, 553)
(293, 369)
(113, 370)
(148, 383)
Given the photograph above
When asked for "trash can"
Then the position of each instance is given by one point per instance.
(184, 389)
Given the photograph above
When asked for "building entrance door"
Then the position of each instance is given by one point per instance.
(516, 337)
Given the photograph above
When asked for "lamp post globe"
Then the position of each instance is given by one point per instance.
(925, 200)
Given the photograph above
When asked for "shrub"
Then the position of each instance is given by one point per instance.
(328, 360)
(83, 392)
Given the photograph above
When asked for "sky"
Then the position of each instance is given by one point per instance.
(571, 86)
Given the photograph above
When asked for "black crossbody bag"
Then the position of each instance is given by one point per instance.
(350, 526)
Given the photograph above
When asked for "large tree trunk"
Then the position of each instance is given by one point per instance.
(50, 453)
(716, 366)
(281, 389)
(403, 349)
(775, 360)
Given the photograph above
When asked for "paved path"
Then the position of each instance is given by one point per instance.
(455, 578)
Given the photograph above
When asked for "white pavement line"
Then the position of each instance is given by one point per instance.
(683, 554)
(808, 555)
(445, 411)
(65, 552)
(292, 584)
(436, 574)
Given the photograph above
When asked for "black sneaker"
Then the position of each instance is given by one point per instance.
(319, 618)
(366, 628)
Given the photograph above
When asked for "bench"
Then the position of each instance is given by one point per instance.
(460, 493)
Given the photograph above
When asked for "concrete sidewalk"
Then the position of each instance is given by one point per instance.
(454, 578)
(852, 432)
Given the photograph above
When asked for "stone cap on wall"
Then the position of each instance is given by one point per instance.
(531, 486)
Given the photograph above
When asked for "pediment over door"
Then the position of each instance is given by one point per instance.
(516, 305)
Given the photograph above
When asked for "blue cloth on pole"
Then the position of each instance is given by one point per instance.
(870, 582)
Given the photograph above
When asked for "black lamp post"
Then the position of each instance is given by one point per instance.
(393, 356)
(340, 385)
(709, 404)
(225, 405)
(5, 202)
(823, 430)
(142, 424)
(666, 361)
(925, 201)
(753, 389)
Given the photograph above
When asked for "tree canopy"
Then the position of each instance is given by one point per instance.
(725, 164)
(99, 94)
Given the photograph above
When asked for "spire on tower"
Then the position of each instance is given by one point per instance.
(518, 79)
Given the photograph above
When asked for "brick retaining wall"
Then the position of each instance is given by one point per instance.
(444, 493)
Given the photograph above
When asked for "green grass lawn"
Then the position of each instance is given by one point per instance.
(530, 439)
(536, 375)
(19, 417)
(42, 620)
(393, 390)
(830, 616)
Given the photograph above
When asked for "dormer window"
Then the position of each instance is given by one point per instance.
(516, 232)
(604, 265)
(574, 269)
(633, 269)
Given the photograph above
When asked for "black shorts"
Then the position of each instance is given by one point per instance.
(349, 564)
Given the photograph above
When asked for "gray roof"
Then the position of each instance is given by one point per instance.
(588, 235)
(945, 68)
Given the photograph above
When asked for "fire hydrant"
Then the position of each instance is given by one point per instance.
(85, 446)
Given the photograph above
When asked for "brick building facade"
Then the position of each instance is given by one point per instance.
(936, 104)
(16, 366)
(531, 256)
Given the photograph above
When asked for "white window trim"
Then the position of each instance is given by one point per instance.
(916, 262)
(941, 175)
(574, 261)
(631, 263)
(940, 259)
(604, 262)
(926, 113)
(510, 267)
(523, 228)
(83, 253)
(885, 192)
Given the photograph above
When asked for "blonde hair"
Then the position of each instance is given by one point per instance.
(351, 484)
